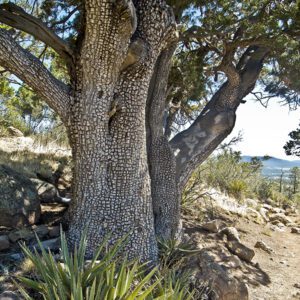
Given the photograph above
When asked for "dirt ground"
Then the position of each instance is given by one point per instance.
(280, 271)
(274, 276)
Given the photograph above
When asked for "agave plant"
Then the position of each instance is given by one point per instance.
(105, 277)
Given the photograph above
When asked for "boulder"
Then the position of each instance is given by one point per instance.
(213, 226)
(4, 242)
(279, 217)
(240, 250)
(261, 245)
(231, 233)
(52, 244)
(54, 231)
(264, 213)
(40, 230)
(19, 203)
(223, 284)
(23, 234)
(47, 192)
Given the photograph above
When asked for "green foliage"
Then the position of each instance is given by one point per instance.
(105, 277)
(228, 173)
(292, 147)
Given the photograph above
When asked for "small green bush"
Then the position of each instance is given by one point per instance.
(237, 188)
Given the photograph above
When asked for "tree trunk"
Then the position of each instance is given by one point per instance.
(162, 165)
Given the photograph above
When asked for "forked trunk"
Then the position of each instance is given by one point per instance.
(111, 180)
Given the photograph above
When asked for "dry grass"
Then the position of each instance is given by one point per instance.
(30, 163)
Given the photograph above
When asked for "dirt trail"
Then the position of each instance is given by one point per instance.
(282, 268)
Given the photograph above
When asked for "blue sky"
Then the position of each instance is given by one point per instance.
(265, 130)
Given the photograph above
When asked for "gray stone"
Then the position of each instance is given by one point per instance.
(261, 245)
(19, 202)
(231, 233)
(213, 226)
(223, 284)
(54, 231)
(23, 234)
(4, 242)
(280, 217)
(40, 230)
(8, 295)
(47, 192)
(52, 244)
(240, 250)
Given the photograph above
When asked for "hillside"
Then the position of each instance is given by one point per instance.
(272, 167)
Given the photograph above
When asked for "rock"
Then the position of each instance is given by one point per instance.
(213, 226)
(9, 296)
(40, 230)
(261, 245)
(47, 192)
(4, 242)
(263, 211)
(240, 250)
(267, 207)
(297, 285)
(223, 284)
(232, 261)
(280, 217)
(278, 210)
(231, 233)
(22, 234)
(19, 202)
(15, 132)
(295, 230)
(54, 231)
(254, 214)
(52, 244)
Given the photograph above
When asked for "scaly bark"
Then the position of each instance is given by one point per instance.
(29, 69)
(192, 146)
(164, 190)
(112, 192)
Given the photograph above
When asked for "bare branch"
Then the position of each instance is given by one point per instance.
(16, 17)
(29, 69)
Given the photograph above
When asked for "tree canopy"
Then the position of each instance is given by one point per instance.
(212, 35)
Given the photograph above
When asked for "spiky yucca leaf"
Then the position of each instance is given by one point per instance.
(105, 277)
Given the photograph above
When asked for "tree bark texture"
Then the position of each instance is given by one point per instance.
(112, 192)
(128, 177)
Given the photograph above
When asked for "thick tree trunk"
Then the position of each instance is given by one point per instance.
(111, 179)
(164, 190)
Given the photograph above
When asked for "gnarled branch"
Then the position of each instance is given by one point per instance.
(16, 17)
(192, 146)
(29, 69)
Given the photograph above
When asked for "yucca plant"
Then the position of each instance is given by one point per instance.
(105, 277)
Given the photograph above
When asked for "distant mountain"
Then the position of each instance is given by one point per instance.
(272, 167)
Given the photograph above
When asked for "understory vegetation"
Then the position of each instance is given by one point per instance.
(107, 276)
(227, 172)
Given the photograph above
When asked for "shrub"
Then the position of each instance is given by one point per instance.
(105, 277)
(237, 188)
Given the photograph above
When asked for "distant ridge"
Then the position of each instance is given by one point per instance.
(272, 167)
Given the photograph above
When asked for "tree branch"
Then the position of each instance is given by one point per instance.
(192, 146)
(16, 17)
(29, 69)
